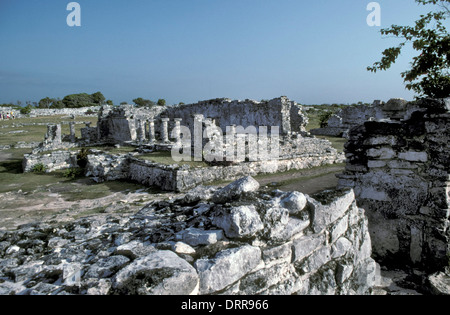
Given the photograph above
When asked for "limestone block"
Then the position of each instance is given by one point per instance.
(226, 268)
(376, 164)
(383, 153)
(195, 237)
(295, 202)
(340, 248)
(240, 222)
(235, 189)
(160, 273)
(304, 246)
(413, 156)
(333, 206)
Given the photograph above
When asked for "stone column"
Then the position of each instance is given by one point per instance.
(165, 130)
(198, 137)
(141, 131)
(53, 136)
(151, 131)
(177, 129)
(72, 131)
(88, 133)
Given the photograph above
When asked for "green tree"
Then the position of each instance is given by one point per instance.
(161, 102)
(429, 73)
(57, 104)
(140, 102)
(26, 110)
(98, 98)
(46, 102)
(109, 102)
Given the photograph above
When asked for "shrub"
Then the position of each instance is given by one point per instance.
(82, 157)
(73, 172)
(26, 110)
(39, 168)
(323, 119)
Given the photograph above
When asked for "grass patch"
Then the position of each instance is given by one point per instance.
(13, 178)
(36, 133)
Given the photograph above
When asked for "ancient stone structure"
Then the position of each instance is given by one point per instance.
(234, 240)
(53, 161)
(302, 153)
(281, 112)
(340, 123)
(400, 172)
(118, 124)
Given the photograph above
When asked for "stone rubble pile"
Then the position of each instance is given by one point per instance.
(240, 239)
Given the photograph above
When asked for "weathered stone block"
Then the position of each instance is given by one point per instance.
(295, 202)
(383, 153)
(160, 273)
(235, 189)
(306, 245)
(195, 237)
(240, 222)
(226, 268)
(332, 206)
(413, 156)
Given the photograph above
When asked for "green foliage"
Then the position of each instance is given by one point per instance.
(82, 159)
(109, 102)
(98, 98)
(73, 172)
(429, 74)
(140, 102)
(46, 102)
(78, 100)
(39, 168)
(57, 104)
(323, 118)
(26, 110)
(161, 102)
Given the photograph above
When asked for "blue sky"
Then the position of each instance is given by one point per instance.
(314, 52)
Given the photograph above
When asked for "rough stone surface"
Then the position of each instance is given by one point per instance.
(226, 268)
(399, 170)
(174, 247)
(235, 189)
(240, 222)
(160, 273)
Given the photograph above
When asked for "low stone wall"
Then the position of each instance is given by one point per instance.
(235, 240)
(345, 119)
(400, 171)
(104, 167)
(65, 111)
(53, 161)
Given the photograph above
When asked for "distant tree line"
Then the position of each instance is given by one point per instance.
(140, 102)
(74, 101)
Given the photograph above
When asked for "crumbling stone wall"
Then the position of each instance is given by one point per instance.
(234, 240)
(53, 161)
(281, 112)
(347, 118)
(400, 171)
(119, 123)
(179, 178)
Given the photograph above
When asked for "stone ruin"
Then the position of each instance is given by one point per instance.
(339, 124)
(239, 239)
(400, 172)
(149, 131)
(397, 170)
